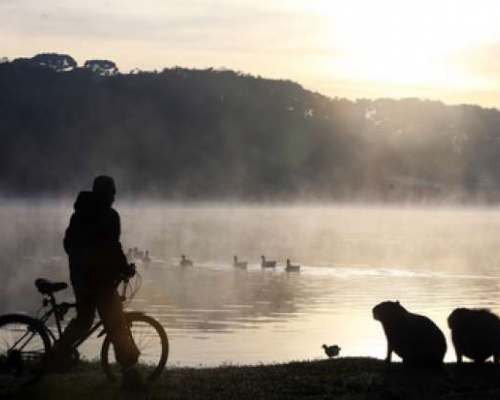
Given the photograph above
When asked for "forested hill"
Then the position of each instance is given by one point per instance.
(219, 134)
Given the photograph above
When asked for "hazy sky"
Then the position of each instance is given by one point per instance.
(437, 49)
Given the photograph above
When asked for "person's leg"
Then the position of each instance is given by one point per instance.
(60, 356)
(113, 318)
(78, 326)
(85, 298)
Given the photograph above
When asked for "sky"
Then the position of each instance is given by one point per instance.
(446, 50)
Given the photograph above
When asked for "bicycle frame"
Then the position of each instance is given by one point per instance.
(60, 310)
(35, 329)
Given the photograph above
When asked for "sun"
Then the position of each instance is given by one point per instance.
(405, 42)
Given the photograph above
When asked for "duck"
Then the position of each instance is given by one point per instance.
(331, 351)
(146, 258)
(267, 264)
(239, 264)
(186, 262)
(291, 268)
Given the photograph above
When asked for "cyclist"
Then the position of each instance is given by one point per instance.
(97, 263)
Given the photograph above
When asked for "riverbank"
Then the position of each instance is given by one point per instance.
(345, 378)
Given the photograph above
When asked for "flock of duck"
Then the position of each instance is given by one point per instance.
(289, 267)
(135, 254)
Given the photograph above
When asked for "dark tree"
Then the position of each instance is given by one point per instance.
(101, 67)
(224, 134)
(57, 62)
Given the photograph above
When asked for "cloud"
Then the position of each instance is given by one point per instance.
(223, 27)
(146, 20)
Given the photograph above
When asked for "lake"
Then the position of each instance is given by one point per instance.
(352, 257)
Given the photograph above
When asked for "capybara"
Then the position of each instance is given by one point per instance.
(414, 338)
(475, 334)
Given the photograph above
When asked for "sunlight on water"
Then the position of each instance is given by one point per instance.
(271, 316)
(352, 258)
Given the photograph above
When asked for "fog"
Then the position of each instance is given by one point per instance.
(456, 240)
(432, 259)
(423, 238)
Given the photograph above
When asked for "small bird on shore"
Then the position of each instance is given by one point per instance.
(331, 351)
(186, 262)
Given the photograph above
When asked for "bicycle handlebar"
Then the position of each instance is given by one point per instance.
(127, 274)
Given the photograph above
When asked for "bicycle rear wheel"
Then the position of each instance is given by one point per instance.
(23, 345)
(151, 340)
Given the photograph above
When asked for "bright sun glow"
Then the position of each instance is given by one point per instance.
(408, 42)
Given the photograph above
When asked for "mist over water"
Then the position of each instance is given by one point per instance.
(352, 257)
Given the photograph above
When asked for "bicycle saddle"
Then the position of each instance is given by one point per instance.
(45, 286)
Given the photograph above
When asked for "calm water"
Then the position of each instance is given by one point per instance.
(432, 260)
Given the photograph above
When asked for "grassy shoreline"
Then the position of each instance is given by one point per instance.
(344, 378)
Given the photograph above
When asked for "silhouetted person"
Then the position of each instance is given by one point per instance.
(97, 263)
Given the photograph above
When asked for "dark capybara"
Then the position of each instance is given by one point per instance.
(414, 338)
(475, 334)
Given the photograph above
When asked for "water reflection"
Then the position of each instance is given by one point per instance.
(284, 316)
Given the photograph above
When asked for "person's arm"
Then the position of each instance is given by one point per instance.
(114, 237)
(69, 239)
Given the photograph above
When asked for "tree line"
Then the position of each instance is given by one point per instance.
(220, 134)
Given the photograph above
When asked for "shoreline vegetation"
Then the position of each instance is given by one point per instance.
(343, 378)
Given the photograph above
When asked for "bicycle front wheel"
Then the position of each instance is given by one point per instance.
(23, 345)
(152, 342)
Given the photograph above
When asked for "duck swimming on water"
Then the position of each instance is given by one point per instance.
(290, 267)
(185, 262)
(267, 264)
(239, 264)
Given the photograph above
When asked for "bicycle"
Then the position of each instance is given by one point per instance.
(25, 341)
